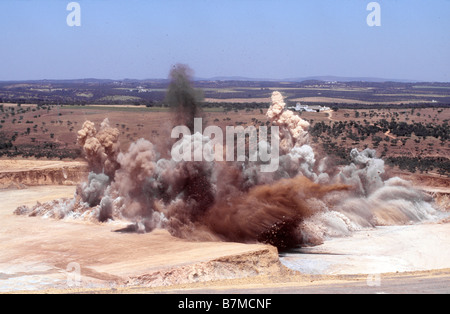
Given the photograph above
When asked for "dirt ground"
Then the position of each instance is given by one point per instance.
(59, 125)
(38, 253)
(60, 256)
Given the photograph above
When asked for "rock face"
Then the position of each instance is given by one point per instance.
(262, 261)
(22, 173)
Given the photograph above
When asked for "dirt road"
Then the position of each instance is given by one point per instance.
(437, 281)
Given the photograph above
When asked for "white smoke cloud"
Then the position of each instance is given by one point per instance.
(295, 127)
(100, 148)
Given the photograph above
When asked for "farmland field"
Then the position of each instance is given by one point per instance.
(418, 134)
(152, 92)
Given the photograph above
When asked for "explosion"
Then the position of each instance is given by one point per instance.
(295, 127)
(302, 203)
(100, 148)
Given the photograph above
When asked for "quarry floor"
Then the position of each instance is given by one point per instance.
(60, 256)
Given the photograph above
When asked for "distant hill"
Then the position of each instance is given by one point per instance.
(235, 78)
(331, 78)
(325, 78)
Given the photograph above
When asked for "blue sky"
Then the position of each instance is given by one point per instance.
(253, 38)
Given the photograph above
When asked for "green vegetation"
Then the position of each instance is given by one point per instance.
(413, 135)
(396, 141)
(153, 92)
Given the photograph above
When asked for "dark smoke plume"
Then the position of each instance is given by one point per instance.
(183, 99)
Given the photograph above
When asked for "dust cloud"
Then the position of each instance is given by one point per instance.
(302, 203)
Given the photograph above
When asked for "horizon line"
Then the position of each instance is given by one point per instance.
(324, 78)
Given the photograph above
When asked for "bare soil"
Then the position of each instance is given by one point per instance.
(38, 254)
(59, 125)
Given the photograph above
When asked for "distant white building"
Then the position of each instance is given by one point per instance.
(324, 108)
(299, 107)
